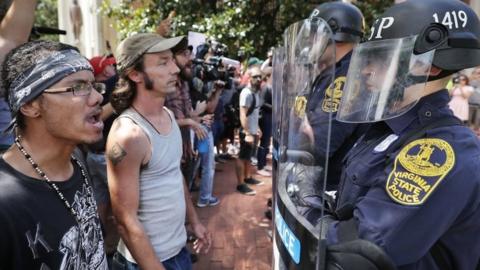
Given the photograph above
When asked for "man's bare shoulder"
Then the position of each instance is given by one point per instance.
(126, 137)
(126, 128)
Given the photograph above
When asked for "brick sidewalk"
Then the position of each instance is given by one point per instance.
(238, 224)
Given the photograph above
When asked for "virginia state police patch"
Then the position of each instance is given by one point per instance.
(333, 94)
(419, 168)
(300, 106)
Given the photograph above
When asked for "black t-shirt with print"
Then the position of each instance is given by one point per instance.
(37, 231)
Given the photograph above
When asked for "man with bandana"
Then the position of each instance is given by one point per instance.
(48, 215)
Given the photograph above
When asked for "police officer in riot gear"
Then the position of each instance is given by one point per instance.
(347, 23)
(317, 54)
(410, 185)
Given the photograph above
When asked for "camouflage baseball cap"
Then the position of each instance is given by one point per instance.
(133, 47)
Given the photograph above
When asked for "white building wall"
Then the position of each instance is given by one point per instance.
(91, 42)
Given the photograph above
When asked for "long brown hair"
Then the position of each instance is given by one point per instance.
(126, 90)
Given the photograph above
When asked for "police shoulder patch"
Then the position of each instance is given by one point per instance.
(333, 94)
(300, 106)
(419, 168)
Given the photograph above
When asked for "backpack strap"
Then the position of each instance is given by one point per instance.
(252, 105)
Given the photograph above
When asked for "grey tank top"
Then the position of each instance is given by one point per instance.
(162, 201)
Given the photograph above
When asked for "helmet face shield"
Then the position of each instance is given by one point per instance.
(311, 51)
(309, 55)
(385, 79)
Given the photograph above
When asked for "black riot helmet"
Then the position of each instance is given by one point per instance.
(345, 20)
(407, 42)
(450, 27)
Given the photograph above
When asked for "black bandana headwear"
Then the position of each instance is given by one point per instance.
(31, 83)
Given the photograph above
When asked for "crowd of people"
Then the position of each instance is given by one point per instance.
(102, 154)
(131, 134)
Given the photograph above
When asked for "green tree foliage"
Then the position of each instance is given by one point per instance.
(250, 25)
(46, 15)
(372, 9)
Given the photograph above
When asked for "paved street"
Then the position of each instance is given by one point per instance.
(238, 223)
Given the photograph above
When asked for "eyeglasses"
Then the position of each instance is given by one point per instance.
(80, 89)
(257, 76)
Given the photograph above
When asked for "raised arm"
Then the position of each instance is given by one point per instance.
(16, 26)
(126, 150)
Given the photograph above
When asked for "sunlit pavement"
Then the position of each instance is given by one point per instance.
(238, 223)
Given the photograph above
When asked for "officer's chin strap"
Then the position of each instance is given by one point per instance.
(422, 79)
(409, 80)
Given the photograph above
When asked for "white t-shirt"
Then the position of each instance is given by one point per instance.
(246, 100)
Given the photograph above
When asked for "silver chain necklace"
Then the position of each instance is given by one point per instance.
(52, 184)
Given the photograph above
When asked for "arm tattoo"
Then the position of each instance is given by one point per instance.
(116, 154)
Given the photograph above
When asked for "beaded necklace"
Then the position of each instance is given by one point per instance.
(52, 184)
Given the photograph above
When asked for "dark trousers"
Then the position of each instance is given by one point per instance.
(217, 130)
(266, 127)
(181, 261)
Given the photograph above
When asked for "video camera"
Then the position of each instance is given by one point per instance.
(219, 49)
(216, 48)
(212, 70)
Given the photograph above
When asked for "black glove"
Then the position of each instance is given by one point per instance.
(358, 254)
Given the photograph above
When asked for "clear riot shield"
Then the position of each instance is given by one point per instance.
(278, 63)
(309, 56)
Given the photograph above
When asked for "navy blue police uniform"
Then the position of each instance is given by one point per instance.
(323, 101)
(420, 193)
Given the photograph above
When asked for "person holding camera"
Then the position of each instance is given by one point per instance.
(460, 94)
(187, 118)
(205, 145)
